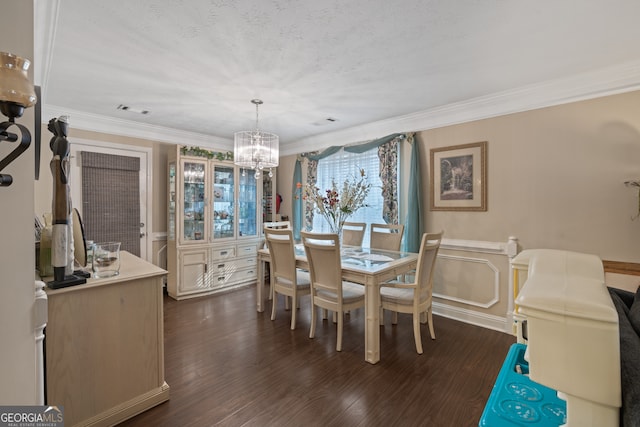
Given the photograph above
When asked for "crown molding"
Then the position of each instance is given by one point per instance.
(45, 24)
(594, 84)
(115, 126)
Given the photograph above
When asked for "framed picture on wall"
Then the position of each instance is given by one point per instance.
(459, 177)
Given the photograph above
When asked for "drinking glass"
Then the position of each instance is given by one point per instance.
(106, 259)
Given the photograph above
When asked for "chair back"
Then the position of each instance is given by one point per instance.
(353, 233)
(429, 247)
(283, 261)
(386, 236)
(323, 255)
(277, 224)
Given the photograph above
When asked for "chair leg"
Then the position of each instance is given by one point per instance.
(335, 316)
(394, 317)
(325, 313)
(430, 316)
(293, 314)
(416, 332)
(274, 302)
(287, 305)
(339, 341)
(312, 329)
(423, 317)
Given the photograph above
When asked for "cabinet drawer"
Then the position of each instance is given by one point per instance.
(233, 277)
(230, 266)
(223, 253)
(248, 250)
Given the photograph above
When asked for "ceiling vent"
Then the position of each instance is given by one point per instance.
(131, 109)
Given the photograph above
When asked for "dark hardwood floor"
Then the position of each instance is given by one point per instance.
(228, 365)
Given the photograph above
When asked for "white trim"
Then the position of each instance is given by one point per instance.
(488, 321)
(149, 178)
(158, 236)
(116, 126)
(496, 282)
(45, 24)
(499, 248)
(593, 84)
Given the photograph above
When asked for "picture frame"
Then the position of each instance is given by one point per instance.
(458, 177)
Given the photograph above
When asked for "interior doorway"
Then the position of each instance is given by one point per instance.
(138, 222)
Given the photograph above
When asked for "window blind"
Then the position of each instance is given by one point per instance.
(343, 165)
(111, 199)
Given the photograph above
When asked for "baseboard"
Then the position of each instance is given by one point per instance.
(129, 409)
(488, 321)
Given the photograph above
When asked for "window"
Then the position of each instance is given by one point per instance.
(341, 165)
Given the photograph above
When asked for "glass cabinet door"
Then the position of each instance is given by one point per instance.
(223, 225)
(248, 205)
(269, 204)
(171, 215)
(194, 175)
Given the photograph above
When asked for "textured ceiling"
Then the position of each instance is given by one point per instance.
(196, 64)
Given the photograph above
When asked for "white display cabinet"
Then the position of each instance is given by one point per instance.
(214, 218)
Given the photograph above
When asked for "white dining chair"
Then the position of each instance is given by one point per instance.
(328, 290)
(386, 236)
(278, 225)
(286, 279)
(353, 233)
(414, 298)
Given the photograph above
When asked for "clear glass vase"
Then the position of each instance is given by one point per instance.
(335, 227)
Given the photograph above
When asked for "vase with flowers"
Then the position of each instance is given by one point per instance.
(338, 203)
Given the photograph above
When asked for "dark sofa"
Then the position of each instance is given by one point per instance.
(628, 306)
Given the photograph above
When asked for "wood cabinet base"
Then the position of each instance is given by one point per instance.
(105, 346)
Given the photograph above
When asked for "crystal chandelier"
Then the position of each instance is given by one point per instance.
(256, 149)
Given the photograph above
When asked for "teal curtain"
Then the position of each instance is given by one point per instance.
(358, 148)
(414, 223)
(297, 200)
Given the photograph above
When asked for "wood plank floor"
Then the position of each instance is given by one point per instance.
(228, 365)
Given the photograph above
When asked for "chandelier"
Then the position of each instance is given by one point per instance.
(256, 149)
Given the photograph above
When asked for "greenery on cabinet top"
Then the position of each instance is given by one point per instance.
(201, 152)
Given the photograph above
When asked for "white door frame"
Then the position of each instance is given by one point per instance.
(146, 183)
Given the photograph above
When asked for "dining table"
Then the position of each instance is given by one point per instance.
(366, 266)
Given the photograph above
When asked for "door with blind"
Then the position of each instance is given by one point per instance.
(109, 188)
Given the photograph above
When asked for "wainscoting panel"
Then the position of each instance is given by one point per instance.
(472, 281)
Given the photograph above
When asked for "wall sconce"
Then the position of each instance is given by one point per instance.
(16, 94)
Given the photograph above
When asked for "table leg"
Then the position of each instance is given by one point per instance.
(260, 287)
(372, 323)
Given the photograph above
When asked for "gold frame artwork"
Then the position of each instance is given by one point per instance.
(467, 188)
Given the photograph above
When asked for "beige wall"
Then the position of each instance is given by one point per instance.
(17, 254)
(555, 178)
